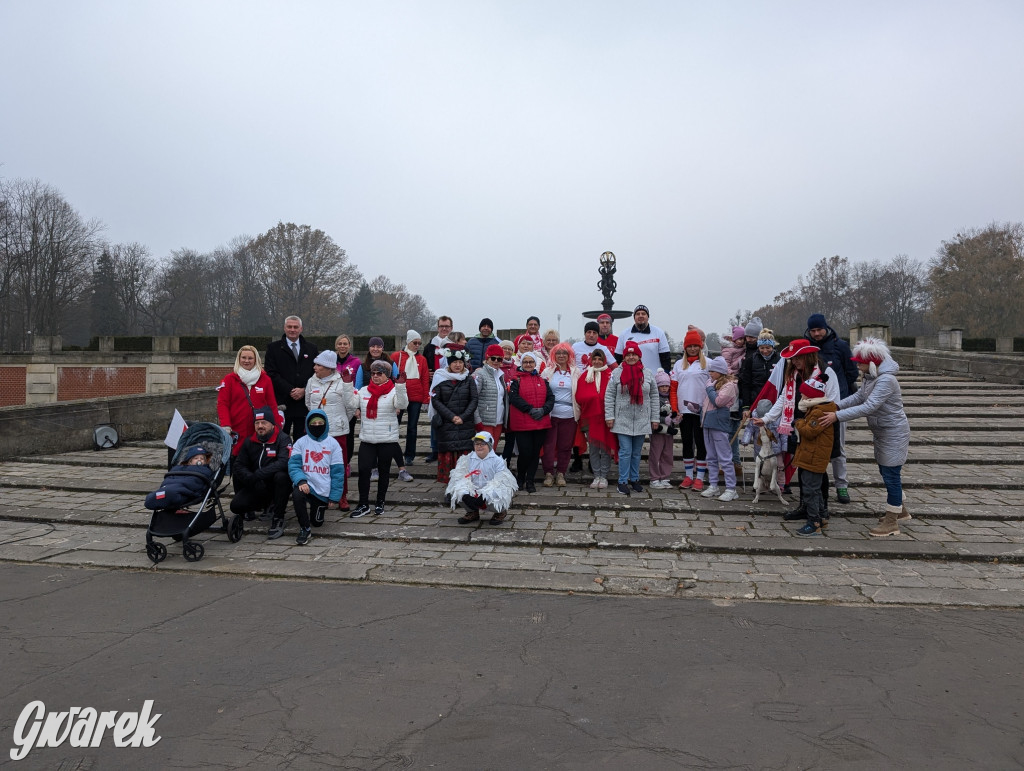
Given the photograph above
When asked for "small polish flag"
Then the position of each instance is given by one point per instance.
(175, 430)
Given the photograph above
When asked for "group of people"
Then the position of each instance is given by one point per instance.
(295, 415)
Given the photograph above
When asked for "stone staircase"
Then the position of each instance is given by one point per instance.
(963, 483)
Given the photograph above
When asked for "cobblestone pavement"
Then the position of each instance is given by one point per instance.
(964, 546)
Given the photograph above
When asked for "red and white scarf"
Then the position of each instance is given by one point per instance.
(789, 402)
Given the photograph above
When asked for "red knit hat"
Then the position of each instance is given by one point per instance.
(631, 347)
(494, 350)
(692, 338)
(812, 389)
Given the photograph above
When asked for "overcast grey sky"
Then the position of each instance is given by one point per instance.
(486, 153)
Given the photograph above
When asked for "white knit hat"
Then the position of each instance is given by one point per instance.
(327, 359)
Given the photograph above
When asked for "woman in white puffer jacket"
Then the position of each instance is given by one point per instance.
(379, 403)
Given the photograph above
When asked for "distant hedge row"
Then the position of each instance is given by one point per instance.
(202, 343)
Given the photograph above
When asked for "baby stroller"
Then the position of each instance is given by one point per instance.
(199, 514)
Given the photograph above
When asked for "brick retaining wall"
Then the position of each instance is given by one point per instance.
(12, 386)
(200, 377)
(94, 382)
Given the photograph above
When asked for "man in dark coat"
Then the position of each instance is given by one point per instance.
(260, 474)
(289, 362)
(835, 353)
(478, 345)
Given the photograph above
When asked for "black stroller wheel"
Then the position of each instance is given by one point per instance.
(236, 528)
(156, 552)
(193, 551)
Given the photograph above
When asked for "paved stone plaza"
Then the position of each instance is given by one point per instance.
(965, 545)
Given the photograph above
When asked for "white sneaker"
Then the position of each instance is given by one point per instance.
(603, 485)
(374, 475)
(729, 495)
(710, 492)
(405, 476)
(596, 484)
(661, 484)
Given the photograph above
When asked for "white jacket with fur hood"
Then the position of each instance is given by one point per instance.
(336, 398)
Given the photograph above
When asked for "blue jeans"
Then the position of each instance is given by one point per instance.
(893, 484)
(630, 448)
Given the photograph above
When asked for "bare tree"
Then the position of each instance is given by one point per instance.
(906, 294)
(306, 274)
(399, 310)
(48, 252)
(222, 292)
(179, 302)
(977, 280)
(134, 271)
(825, 290)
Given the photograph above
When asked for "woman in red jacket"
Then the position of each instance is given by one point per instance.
(531, 400)
(242, 393)
(417, 385)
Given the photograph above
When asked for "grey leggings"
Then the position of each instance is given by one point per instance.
(600, 461)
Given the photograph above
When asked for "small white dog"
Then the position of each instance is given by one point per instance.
(765, 466)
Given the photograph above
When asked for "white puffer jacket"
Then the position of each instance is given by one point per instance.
(383, 428)
(690, 384)
(340, 403)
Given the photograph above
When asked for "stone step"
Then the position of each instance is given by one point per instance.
(859, 447)
(847, 536)
(862, 474)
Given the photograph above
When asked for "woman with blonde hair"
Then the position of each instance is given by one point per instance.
(551, 339)
(350, 363)
(242, 393)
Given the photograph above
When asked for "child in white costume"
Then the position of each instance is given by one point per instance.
(481, 479)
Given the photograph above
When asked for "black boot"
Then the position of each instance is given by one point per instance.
(800, 512)
(577, 461)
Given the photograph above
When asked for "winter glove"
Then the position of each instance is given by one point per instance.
(347, 375)
(402, 377)
(537, 413)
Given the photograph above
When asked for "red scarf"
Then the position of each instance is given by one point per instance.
(633, 382)
(377, 391)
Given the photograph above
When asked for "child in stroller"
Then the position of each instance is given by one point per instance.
(185, 482)
(188, 501)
